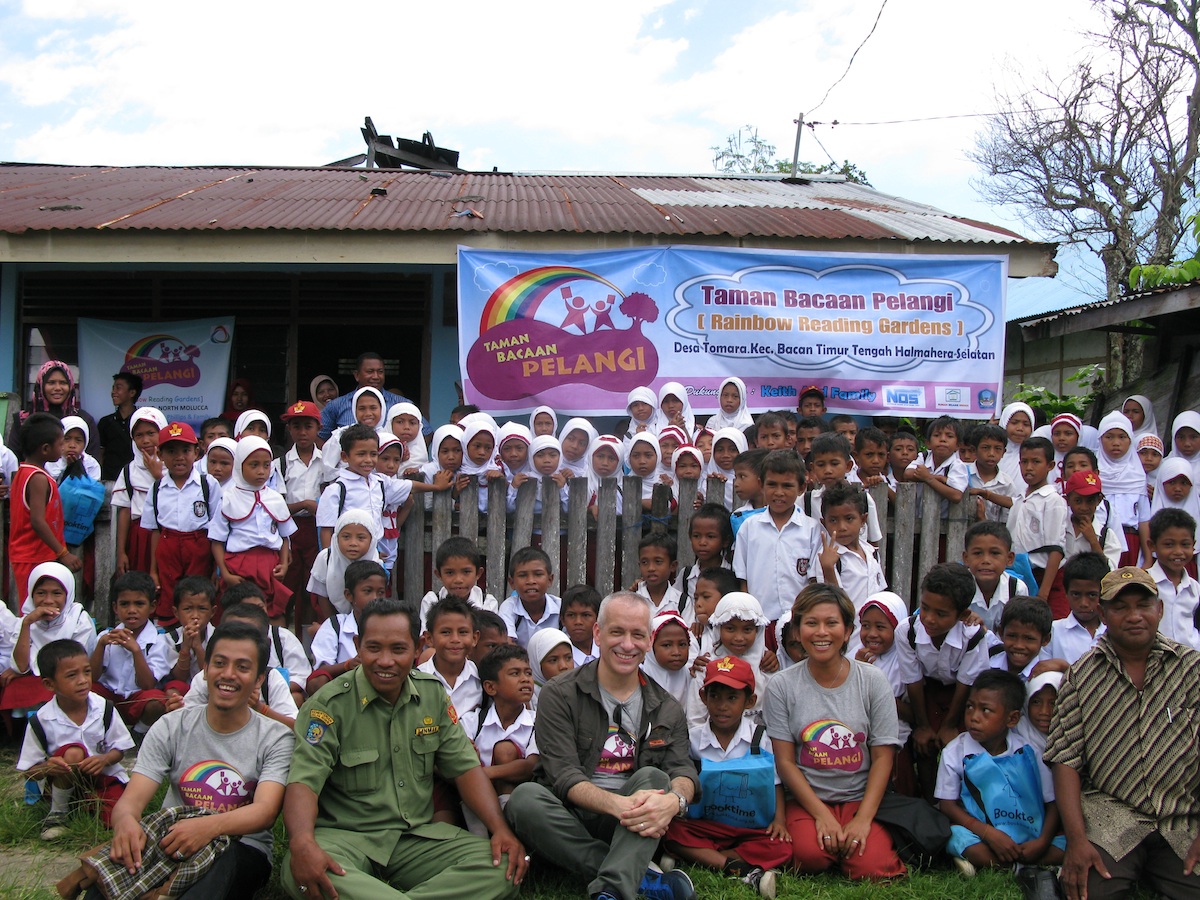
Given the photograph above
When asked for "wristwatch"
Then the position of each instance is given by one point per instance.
(683, 804)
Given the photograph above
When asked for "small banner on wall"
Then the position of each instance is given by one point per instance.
(877, 334)
(184, 365)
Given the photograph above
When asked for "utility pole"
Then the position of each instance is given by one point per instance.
(796, 153)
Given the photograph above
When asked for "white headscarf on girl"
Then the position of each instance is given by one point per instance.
(72, 621)
(228, 444)
(335, 574)
(539, 443)
(1189, 418)
(473, 425)
(1026, 728)
(548, 411)
(418, 453)
(694, 453)
(676, 683)
(739, 418)
(740, 605)
(384, 424)
(738, 438)
(895, 610)
(611, 443)
(677, 390)
(514, 431)
(139, 475)
(1149, 423)
(587, 428)
(1124, 475)
(541, 642)
(1169, 470)
(648, 481)
(252, 415)
(434, 465)
(239, 499)
(1010, 463)
(90, 466)
(652, 424)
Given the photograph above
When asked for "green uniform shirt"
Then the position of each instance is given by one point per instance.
(371, 764)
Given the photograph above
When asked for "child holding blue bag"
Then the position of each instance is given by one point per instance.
(994, 787)
(737, 827)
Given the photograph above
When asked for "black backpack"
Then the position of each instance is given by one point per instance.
(35, 725)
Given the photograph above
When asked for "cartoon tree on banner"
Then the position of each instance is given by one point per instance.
(641, 308)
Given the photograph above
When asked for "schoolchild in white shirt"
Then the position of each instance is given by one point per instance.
(458, 565)
(131, 658)
(132, 487)
(1173, 537)
(847, 561)
(450, 631)
(300, 471)
(359, 486)
(404, 421)
(1038, 518)
(988, 552)
(1075, 635)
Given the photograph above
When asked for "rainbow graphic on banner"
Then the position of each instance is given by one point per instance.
(521, 295)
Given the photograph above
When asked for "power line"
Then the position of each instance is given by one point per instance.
(853, 55)
(978, 115)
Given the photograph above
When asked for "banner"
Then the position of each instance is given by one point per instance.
(878, 334)
(184, 365)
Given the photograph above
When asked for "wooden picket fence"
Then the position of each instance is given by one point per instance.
(601, 550)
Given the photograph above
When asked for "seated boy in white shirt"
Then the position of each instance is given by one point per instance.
(75, 740)
(131, 658)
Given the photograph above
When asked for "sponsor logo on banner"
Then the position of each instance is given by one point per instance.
(987, 399)
(952, 397)
(835, 393)
(903, 395)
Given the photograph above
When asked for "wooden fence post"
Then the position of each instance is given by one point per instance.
(577, 535)
(414, 552)
(497, 534)
(904, 537)
(631, 529)
(551, 539)
(688, 488)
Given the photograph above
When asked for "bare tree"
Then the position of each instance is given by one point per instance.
(1106, 156)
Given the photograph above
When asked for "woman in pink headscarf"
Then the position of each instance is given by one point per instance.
(54, 392)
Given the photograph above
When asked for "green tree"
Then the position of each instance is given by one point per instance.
(746, 153)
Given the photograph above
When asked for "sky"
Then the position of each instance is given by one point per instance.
(624, 86)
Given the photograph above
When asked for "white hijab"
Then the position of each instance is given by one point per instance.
(1025, 728)
(335, 575)
(740, 605)
(677, 390)
(686, 450)
(418, 454)
(1010, 463)
(250, 415)
(676, 683)
(541, 642)
(1149, 423)
(434, 465)
(239, 499)
(895, 610)
(1169, 470)
(229, 445)
(514, 431)
(593, 479)
(647, 396)
(1189, 418)
(139, 475)
(384, 423)
(548, 411)
(539, 443)
(472, 425)
(587, 428)
(71, 619)
(1124, 475)
(648, 481)
(739, 418)
(738, 438)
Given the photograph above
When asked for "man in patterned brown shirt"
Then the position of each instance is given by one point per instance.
(1124, 747)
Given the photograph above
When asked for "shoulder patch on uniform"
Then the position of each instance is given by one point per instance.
(452, 712)
(318, 722)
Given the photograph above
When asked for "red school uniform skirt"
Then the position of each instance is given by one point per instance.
(258, 564)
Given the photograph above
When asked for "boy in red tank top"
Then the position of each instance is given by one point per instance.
(36, 533)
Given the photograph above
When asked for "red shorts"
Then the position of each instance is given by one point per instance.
(878, 859)
(137, 546)
(105, 788)
(180, 553)
(258, 564)
(753, 845)
(1133, 549)
(132, 707)
(25, 692)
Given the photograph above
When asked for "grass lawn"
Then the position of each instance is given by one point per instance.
(31, 866)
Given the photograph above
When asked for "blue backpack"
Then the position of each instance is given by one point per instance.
(82, 498)
(1005, 792)
(738, 792)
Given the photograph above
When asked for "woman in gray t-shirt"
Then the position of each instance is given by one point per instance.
(832, 722)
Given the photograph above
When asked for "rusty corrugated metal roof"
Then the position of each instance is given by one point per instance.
(39, 198)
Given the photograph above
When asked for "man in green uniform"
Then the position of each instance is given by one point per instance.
(359, 801)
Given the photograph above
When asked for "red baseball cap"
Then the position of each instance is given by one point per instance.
(729, 670)
(177, 431)
(1083, 483)
(812, 389)
(301, 409)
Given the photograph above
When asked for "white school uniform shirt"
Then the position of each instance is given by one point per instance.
(477, 598)
(1128, 510)
(118, 674)
(951, 662)
(62, 730)
(175, 641)
(777, 564)
(704, 745)
(329, 648)
(952, 468)
(1069, 640)
(1114, 539)
(303, 480)
(1001, 484)
(90, 467)
(581, 658)
(1038, 523)
(949, 785)
(670, 600)
(520, 625)
(370, 494)
(182, 508)
(294, 659)
(999, 659)
(1179, 607)
(870, 532)
(467, 692)
(1006, 588)
(492, 731)
(256, 530)
(279, 695)
(858, 576)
